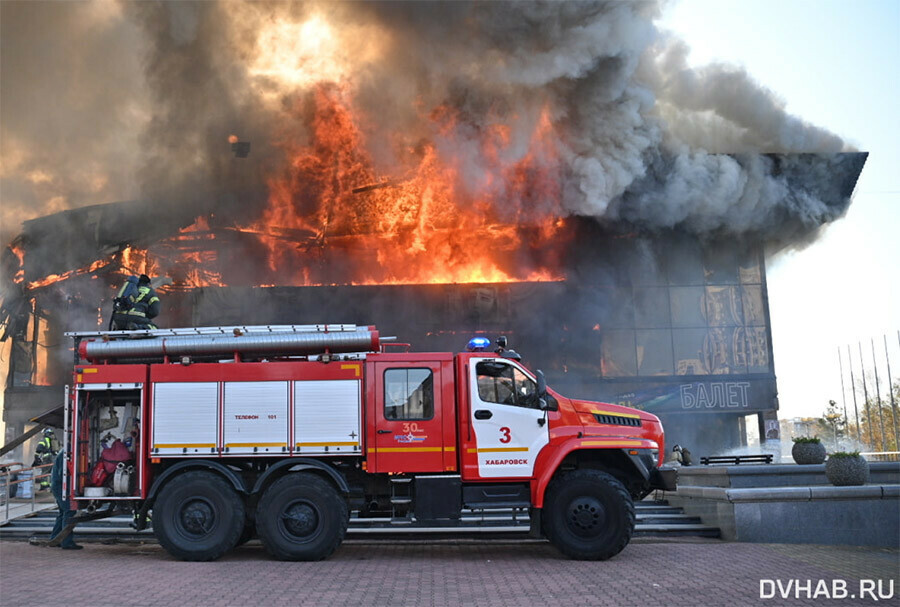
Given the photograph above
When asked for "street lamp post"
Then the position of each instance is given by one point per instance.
(833, 417)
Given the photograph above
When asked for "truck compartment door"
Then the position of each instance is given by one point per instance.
(255, 419)
(185, 418)
(326, 417)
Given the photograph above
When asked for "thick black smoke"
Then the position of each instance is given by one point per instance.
(108, 101)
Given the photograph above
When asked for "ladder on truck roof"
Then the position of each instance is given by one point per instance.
(202, 343)
(228, 330)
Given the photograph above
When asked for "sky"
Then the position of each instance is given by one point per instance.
(836, 64)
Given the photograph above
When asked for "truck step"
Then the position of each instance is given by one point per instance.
(497, 505)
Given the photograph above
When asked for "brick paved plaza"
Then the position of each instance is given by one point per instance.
(649, 572)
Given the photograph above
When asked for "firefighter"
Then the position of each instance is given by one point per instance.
(62, 502)
(43, 454)
(135, 305)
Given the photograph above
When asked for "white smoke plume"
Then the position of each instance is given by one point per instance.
(104, 102)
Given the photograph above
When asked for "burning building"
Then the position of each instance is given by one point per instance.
(662, 321)
(553, 173)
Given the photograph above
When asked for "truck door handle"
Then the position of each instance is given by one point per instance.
(384, 432)
(483, 414)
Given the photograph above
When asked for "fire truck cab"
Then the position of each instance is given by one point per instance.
(287, 432)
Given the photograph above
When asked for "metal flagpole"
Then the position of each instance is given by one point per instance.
(843, 392)
(865, 393)
(887, 357)
(853, 386)
(878, 397)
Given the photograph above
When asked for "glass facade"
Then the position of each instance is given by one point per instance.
(691, 309)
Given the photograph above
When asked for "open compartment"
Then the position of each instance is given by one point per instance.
(108, 434)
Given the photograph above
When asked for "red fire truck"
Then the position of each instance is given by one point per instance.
(286, 432)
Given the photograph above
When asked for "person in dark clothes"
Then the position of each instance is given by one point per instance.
(62, 502)
(136, 305)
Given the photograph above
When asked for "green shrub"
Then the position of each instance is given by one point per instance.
(845, 454)
(803, 440)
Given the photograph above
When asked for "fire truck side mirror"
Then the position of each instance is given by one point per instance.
(541, 384)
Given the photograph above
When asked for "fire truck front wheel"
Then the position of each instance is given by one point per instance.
(588, 515)
(198, 516)
(301, 517)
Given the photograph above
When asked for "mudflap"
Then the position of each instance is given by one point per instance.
(535, 530)
(664, 478)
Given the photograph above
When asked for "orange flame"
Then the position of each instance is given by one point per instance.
(20, 273)
(332, 218)
(432, 226)
(54, 278)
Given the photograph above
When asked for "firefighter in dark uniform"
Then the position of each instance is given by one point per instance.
(43, 454)
(62, 502)
(135, 305)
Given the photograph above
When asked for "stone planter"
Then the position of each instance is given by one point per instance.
(847, 470)
(808, 453)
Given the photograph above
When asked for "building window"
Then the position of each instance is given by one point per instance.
(408, 394)
(618, 352)
(654, 352)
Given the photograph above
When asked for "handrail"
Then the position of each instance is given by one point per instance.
(883, 456)
(8, 472)
(223, 330)
(33, 478)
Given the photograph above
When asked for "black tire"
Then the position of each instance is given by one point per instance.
(301, 517)
(198, 516)
(588, 515)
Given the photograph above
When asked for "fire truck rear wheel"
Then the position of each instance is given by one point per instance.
(198, 516)
(301, 517)
(588, 515)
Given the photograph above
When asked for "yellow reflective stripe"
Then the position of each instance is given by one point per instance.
(405, 449)
(345, 444)
(354, 368)
(134, 312)
(612, 443)
(154, 300)
(122, 290)
(256, 444)
(181, 445)
(499, 450)
(599, 412)
(90, 370)
(449, 448)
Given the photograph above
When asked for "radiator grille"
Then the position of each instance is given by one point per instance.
(616, 420)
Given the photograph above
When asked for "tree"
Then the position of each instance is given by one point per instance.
(870, 425)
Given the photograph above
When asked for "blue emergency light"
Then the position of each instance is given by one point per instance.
(478, 344)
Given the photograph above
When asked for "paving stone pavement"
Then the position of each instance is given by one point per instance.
(681, 573)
